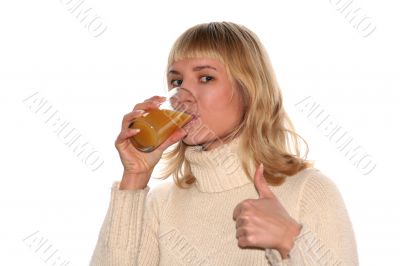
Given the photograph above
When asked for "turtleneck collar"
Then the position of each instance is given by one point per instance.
(218, 169)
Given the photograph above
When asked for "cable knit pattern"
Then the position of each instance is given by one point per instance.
(172, 226)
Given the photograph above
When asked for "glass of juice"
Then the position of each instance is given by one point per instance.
(177, 110)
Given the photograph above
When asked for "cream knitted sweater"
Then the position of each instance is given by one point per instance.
(172, 226)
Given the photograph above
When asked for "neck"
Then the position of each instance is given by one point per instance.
(217, 169)
(219, 141)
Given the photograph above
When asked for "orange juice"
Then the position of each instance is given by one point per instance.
(156, 127)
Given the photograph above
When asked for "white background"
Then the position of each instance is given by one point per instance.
(48, 192)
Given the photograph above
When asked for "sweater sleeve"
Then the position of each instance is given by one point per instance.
(326, 237)
(120, 242)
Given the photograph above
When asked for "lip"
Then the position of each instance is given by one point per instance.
(195, 117)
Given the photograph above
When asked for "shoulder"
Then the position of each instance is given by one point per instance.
(311, 179)
(307, 185)
(316, 183)
(310, 187)
(161, 195)
(318, 193)
(161, 191)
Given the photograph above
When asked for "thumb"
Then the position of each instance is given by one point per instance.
(261, 184)
(175, 137)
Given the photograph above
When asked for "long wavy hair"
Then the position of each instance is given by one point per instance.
(267, 133)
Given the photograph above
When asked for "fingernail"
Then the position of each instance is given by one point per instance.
(136, 130)
(145, 114)
(139, 111)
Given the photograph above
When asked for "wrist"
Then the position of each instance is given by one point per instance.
(134, 181)
(291, 232)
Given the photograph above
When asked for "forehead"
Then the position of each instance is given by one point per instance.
(196, 64)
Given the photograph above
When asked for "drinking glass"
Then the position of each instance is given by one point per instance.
(157, 125)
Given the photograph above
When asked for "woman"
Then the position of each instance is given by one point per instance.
(242, 194)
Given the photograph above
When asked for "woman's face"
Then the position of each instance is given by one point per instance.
(219, 107)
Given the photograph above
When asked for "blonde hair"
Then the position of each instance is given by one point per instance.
(266, 129)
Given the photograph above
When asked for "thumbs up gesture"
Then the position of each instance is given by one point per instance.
(264, 222)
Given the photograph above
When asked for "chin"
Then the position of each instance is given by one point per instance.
(192, 140)
(201, 137)
(198, 133)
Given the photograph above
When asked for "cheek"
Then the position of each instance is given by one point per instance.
(220, 111)
(216, 101)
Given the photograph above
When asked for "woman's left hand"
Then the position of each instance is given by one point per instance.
(264, 222)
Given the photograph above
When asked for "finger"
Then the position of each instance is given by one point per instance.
(240, 232)
(243, 242)
(242, 221)
(261, 184)
(236, 211)
(146, 105)
(128, 118)
(139, 110)
(175, 137)
(156, 98)
(126, 134)
(151, 103)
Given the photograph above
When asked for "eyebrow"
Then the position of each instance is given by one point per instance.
(196, 68)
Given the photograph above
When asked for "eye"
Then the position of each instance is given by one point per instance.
(206, 79)
(176, 82)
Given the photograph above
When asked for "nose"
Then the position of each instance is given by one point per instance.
(185, 94)
(184, 101)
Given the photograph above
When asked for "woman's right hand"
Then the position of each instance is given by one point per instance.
(138, 165)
